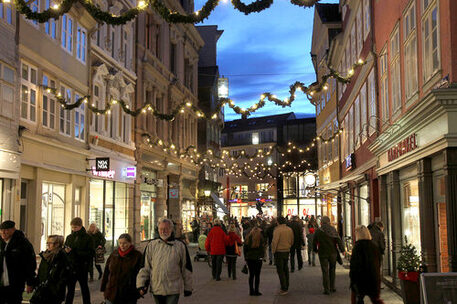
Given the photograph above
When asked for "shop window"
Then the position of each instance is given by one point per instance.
(262, 187)
(77, 202)
(52, 211)
(364, 206)
(188, 214)
(411, 219)
(147, 222)
(120, 210)
(241, 191)
(255, 138)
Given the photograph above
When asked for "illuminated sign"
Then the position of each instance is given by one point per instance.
(173, 193)
(406, 145)
(350, 163)
(129, 172)
(102, 164)
(106, 174)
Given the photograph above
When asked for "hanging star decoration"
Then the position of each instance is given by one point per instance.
(171, 16)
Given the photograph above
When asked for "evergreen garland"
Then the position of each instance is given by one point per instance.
(167, 14)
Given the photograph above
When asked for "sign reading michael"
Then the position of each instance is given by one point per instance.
(406, 145)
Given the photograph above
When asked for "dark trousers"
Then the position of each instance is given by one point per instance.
(328, 266)
(231, 267)
(311, 257)
(255, 266)
(217, 266)
(270, 253)
(91, 270)
(9, 295)
(358, 299)
(282, 267)
(81, 277)
(296, 251)
(169, 299)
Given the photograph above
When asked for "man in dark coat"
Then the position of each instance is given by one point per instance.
(17, 264)
(299, 241)
(80, 249)
(325, 242)
(378, 238)
(269, 233)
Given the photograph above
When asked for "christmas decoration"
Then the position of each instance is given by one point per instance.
(167, 14)
(409, 260)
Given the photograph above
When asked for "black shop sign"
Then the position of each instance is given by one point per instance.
(102, 164)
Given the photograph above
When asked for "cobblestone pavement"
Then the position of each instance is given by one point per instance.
(305, 287)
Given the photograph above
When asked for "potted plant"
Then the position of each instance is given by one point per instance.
(409, 263)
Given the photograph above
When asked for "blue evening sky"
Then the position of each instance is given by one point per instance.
(270, 50)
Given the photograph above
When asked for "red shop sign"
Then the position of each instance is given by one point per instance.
(406, 145)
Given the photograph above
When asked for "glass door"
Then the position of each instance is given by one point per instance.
(52, 211)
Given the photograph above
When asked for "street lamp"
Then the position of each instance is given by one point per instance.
(207, 193)
(222, 87)
(310, 181)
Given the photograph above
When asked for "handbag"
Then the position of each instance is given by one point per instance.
(237, 249)
(245, 269)
(100, 255)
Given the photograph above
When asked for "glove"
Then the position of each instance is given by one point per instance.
(187, 293)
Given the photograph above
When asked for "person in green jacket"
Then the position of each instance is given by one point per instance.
(53, 272)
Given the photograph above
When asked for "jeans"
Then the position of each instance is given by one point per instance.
(282, 267)
(311, 257)
(296, 251)
(217, 266)
(10, 295)
(328, 267)
(231, 267)
(81, 277)
(255, 266)
(169, 299)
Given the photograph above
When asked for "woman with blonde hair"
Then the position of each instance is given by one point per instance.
(254, 252)
(365, 268)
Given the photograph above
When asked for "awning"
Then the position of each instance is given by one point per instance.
(218, 203)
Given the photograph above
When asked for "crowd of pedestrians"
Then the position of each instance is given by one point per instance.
(164, 269)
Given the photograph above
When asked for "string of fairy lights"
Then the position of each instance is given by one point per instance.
(149, 108)
(59, 8)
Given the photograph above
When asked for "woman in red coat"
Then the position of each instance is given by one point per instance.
(215, 245)
(230, 253)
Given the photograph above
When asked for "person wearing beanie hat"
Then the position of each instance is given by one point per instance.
(17, 263)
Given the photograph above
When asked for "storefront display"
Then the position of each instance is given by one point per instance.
(364, 206)
(52, 211)
(411, 218)
(188, 214)
(109, 208)
(306, 207)
(347, 215)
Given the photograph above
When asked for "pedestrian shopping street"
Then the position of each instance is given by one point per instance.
(305, 287)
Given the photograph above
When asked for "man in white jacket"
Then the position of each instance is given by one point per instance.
(167, 267)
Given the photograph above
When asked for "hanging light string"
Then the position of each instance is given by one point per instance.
(171, 16)
(149, 108)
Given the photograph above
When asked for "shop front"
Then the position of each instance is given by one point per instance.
(303, 208)
(240, 208)
(418, 170)
(188, 204)
(148, 198)
(111, 200)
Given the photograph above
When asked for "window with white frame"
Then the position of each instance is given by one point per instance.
(67, 33)
(6, 12)
(431, 61)
(384, 86)
(357, 122)
(80, 119)
(126, 46)
(410, 47)
(395, 75)
(49, 103)
(345, 137)
(34, 7)
(351, 130)
(126, 127)
(353, 57)
(372, 116)
(50, 26)
(112, 31)
(359, 31)
(329, 143)
(366, 18)
(7, 84)
(363, 113)
(65, 115)
(29, 88)
(98, 101)
(81, 43)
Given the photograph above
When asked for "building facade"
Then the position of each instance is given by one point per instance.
(209, 131)
(416, 150)
(167, 71)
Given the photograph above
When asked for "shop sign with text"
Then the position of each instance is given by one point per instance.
(406, 145)
(106, 174)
